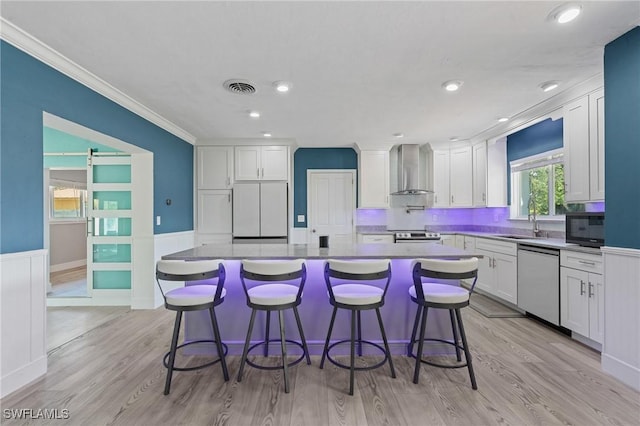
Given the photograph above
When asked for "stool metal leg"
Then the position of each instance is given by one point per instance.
(172, 354)
(246, 344)
(326, 343)
(283, 344)
(455, 335)
(423, 326)
(353, 352)
(266, 334)
(216, 335)
(467, 354)
(304, 341)
(415, 330)
(359, 334)
(386, 343)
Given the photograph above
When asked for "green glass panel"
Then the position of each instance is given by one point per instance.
(108, 280)
(116, 173)
(112, 200)
(107, 253)
(112, 226)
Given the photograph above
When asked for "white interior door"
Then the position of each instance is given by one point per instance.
(330, 205)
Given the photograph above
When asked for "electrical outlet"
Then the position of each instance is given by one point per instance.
(158, 220)
(300, 218)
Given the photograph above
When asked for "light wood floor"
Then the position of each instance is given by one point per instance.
(527, 375)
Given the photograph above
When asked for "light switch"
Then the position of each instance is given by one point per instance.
(300, 218)
(158, 220)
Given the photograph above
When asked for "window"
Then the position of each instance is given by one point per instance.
(537, 187)
(67, 202)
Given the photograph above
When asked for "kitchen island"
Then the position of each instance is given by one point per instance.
(315, 311)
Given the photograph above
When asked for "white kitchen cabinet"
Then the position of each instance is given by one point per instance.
(459, 241)
(373, 178)
(498, 269)
(448, 240)
(479, 156)
(375, 238)
(581, 294)
(261, 163)
(583, 139)
(441, 170)
(260, 209)
(214, 167)
(461, 177)
(497, 172)
(214, 215)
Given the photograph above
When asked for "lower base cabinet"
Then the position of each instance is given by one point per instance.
(498, 269)
(582, 295)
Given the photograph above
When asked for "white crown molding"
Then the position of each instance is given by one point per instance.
(39, 50)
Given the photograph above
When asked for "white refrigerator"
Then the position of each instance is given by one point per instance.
(260, 211)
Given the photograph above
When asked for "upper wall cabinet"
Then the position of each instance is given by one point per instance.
(583, 139)
(214, 167)
(373, 170)
(479, 174)
(497, 172)
(441, 173)
(453, 177)
(262, 163)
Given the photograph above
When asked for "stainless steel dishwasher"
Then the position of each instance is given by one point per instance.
(539, 282)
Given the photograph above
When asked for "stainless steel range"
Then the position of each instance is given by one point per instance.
(416, 237)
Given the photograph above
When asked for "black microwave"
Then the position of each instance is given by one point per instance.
(585, 228)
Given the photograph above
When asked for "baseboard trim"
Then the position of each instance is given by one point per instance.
(627, 374)
(23, 376)
(68, 265)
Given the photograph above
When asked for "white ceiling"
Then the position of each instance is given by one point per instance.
(361, 71)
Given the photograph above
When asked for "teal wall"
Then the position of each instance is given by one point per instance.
(56, 141)
(27, 88)
(316, 158)
(622, 140)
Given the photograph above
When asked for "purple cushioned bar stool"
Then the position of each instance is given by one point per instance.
(200, 296)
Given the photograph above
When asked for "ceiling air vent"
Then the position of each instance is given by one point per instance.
(239, 86)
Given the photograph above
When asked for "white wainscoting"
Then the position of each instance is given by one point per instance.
(297, 235)
(621, 348)
(23, 313)
(167, 244)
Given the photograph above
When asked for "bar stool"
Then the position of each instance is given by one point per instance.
(442, 296)
(356, 298)
(201, 296)
(275, 296)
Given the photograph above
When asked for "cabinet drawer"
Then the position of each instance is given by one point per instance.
(496, 246)
(382, 239)
(583, 261)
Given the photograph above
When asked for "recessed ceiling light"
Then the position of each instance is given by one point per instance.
(398, 135)
(547, 86)
(266, 134)
(453, 138)
(254, 114)
(503, 119)
(282, 86)
(565, 13)
(452, 85)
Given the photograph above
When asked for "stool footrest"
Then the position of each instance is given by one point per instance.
(197, 367)
(279, 367)
(348, 367)
(460, 364)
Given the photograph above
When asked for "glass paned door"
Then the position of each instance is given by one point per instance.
(109, 223)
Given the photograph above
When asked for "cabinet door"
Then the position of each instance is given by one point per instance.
(274, 163)
(596, 145)
(574, 302)
(486, 278)
(215, 167)
(480, 174)
(459, 241)
(247, 162)
(497, 173)
(441, 178)
(246, 210)
(596, 307)
(374, 179)
(575, 135)
(506, 277)
(273, 209)
(448, 240)
(461, 177)
(214, 212)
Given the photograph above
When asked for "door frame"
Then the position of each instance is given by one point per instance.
(142, 292)
(310, 173)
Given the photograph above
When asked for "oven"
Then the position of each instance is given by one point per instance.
(404, 237)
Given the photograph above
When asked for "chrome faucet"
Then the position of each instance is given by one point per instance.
(533, 217)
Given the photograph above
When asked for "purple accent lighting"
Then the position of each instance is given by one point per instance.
(595, 207)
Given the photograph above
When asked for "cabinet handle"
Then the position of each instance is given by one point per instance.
(258, 172)
(581, 287)
(452, 199)
(229, 197)
(489, 259)
(484, 197)
(435, 198)
(263, 172)
(584, 262)
(494, 262)
(228, 181)
(591, 293)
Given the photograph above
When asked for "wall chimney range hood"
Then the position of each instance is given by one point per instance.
(409, 171)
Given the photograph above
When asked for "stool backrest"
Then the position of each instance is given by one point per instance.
(357, 270)
(196, 270)
(445, 269)
(273, 270)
